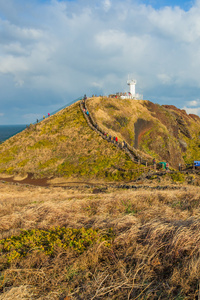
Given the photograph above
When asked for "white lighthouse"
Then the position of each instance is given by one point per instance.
(131, 94)
(132, 83)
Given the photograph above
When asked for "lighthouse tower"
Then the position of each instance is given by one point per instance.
(132, 83)
(132, 94)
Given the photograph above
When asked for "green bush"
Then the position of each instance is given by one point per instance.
(177, 177)
(48, 241)
(49, 162)
(41, 144)
(23, 163)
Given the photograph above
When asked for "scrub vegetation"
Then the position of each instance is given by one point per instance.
(75, 243)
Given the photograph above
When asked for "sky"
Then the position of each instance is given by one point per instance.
(54, 51)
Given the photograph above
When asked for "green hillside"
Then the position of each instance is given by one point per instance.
(64, 145)
(164, 132)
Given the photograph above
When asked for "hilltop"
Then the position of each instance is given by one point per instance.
(63, 145)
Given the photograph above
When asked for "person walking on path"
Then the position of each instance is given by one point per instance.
(154, 164)
(124, 144)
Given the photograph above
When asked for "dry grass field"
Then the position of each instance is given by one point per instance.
(82, 242)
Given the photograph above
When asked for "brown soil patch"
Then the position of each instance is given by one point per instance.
(141, 126)
(27, 180)
(49, 182)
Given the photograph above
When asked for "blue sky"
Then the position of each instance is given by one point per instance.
(157, 4)
(52, 52)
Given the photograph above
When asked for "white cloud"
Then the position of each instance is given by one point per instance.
(193, 107)
(193, 103)
(165, 78)
(195, 111)
(68, 48)
(15, 48)
(19, 82)
(107, 5)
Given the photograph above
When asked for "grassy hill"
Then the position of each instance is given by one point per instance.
(63, 145)
(164, 132)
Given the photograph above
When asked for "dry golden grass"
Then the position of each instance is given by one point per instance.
(127, 119)
(62, 146)
(154, 253)
(22, 292)
(31, 207)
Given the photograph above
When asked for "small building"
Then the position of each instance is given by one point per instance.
(131, 94)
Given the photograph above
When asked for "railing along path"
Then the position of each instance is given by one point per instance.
(131, 151)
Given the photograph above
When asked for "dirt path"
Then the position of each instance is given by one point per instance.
(29, 180)
(96, 186)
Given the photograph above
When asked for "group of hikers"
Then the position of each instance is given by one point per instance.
(43, 117)
(165, 165)
(113, 139)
